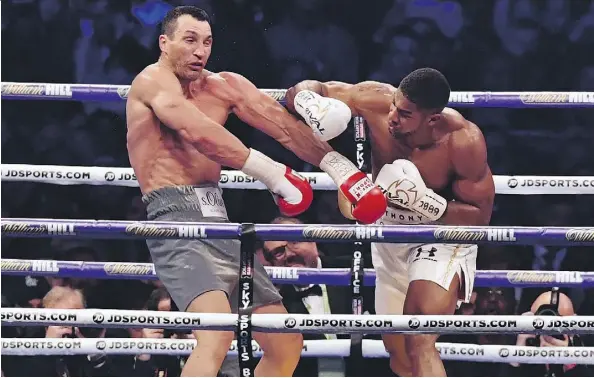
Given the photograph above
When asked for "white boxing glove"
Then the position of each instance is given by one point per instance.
(327, 117)
(403, 186)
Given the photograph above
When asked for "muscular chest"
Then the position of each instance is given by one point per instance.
(433, 163)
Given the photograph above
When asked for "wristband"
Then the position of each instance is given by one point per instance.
(431, 205)
(263, 168)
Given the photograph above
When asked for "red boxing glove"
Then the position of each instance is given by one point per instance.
(293, 195)
(291, 191)
(359, 198)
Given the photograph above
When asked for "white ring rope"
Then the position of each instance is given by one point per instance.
(295, 323)
(73, 175)
(311, 348)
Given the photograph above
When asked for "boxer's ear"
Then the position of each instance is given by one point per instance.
(434, 118)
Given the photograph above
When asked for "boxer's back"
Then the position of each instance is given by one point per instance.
(160, 157)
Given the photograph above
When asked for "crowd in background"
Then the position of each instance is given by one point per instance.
(494, 45)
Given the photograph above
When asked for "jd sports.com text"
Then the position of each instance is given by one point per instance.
(16, 316)
(118, 319)
(464, 324)
(48, 174)
(146, 345)
(546, 352)
(41, 344)
(455, 351)
(345, 323)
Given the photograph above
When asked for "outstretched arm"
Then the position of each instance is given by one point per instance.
(161, 91)
(473, 188)
(259, 110)
(367, 96)
(264, 113)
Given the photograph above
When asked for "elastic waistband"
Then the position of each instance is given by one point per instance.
(173, 198)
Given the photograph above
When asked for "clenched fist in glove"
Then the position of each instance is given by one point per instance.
(292, 192)
(327, 117)
(404, 187)
(358, 197)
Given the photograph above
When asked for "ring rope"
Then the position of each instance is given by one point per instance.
(311, 348)
(285, 275)
(102, 92)
(298, 323)
(79, 175)
(29, 227)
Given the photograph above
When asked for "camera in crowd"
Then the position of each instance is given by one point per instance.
(549, 309)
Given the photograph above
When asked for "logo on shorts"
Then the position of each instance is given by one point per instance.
(503, 352)
(538, 323)
(512, 182)
(98, 318)
(414, 323)
(430, 254)
(109, 176)
(290, 323)
(224, 178)
(100, 345)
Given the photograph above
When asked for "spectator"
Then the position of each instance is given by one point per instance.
(493, 301)
(147, 365)
(310, 299)
(551, 303)
(66, 298)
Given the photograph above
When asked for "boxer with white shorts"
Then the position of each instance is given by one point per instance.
(432, 165)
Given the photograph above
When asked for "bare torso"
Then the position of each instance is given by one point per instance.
(454, 164)
(159, 156)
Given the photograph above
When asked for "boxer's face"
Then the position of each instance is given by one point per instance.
(404, 117)
(188, 49)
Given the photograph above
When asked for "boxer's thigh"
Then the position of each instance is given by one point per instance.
(190, 268)
(439, 275)
(390, 264)
(265, 293)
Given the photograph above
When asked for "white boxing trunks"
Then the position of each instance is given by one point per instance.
(396, 265)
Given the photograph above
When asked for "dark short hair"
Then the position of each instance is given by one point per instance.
(427, 88)
(158, 295)
(170, 21)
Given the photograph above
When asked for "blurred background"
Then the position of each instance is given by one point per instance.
(494, 45)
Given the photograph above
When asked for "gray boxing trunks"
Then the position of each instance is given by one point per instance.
(189, 268)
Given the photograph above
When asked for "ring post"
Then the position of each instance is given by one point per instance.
(247, 238)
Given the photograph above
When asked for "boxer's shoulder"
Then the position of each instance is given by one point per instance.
(467, 146)
(226, 86)
(373, 95)
(152, 79)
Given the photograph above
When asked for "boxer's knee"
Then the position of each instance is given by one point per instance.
(418, 346)
(429, 298)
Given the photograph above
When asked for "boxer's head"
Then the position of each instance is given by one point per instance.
(418, 102)
(186, 41)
